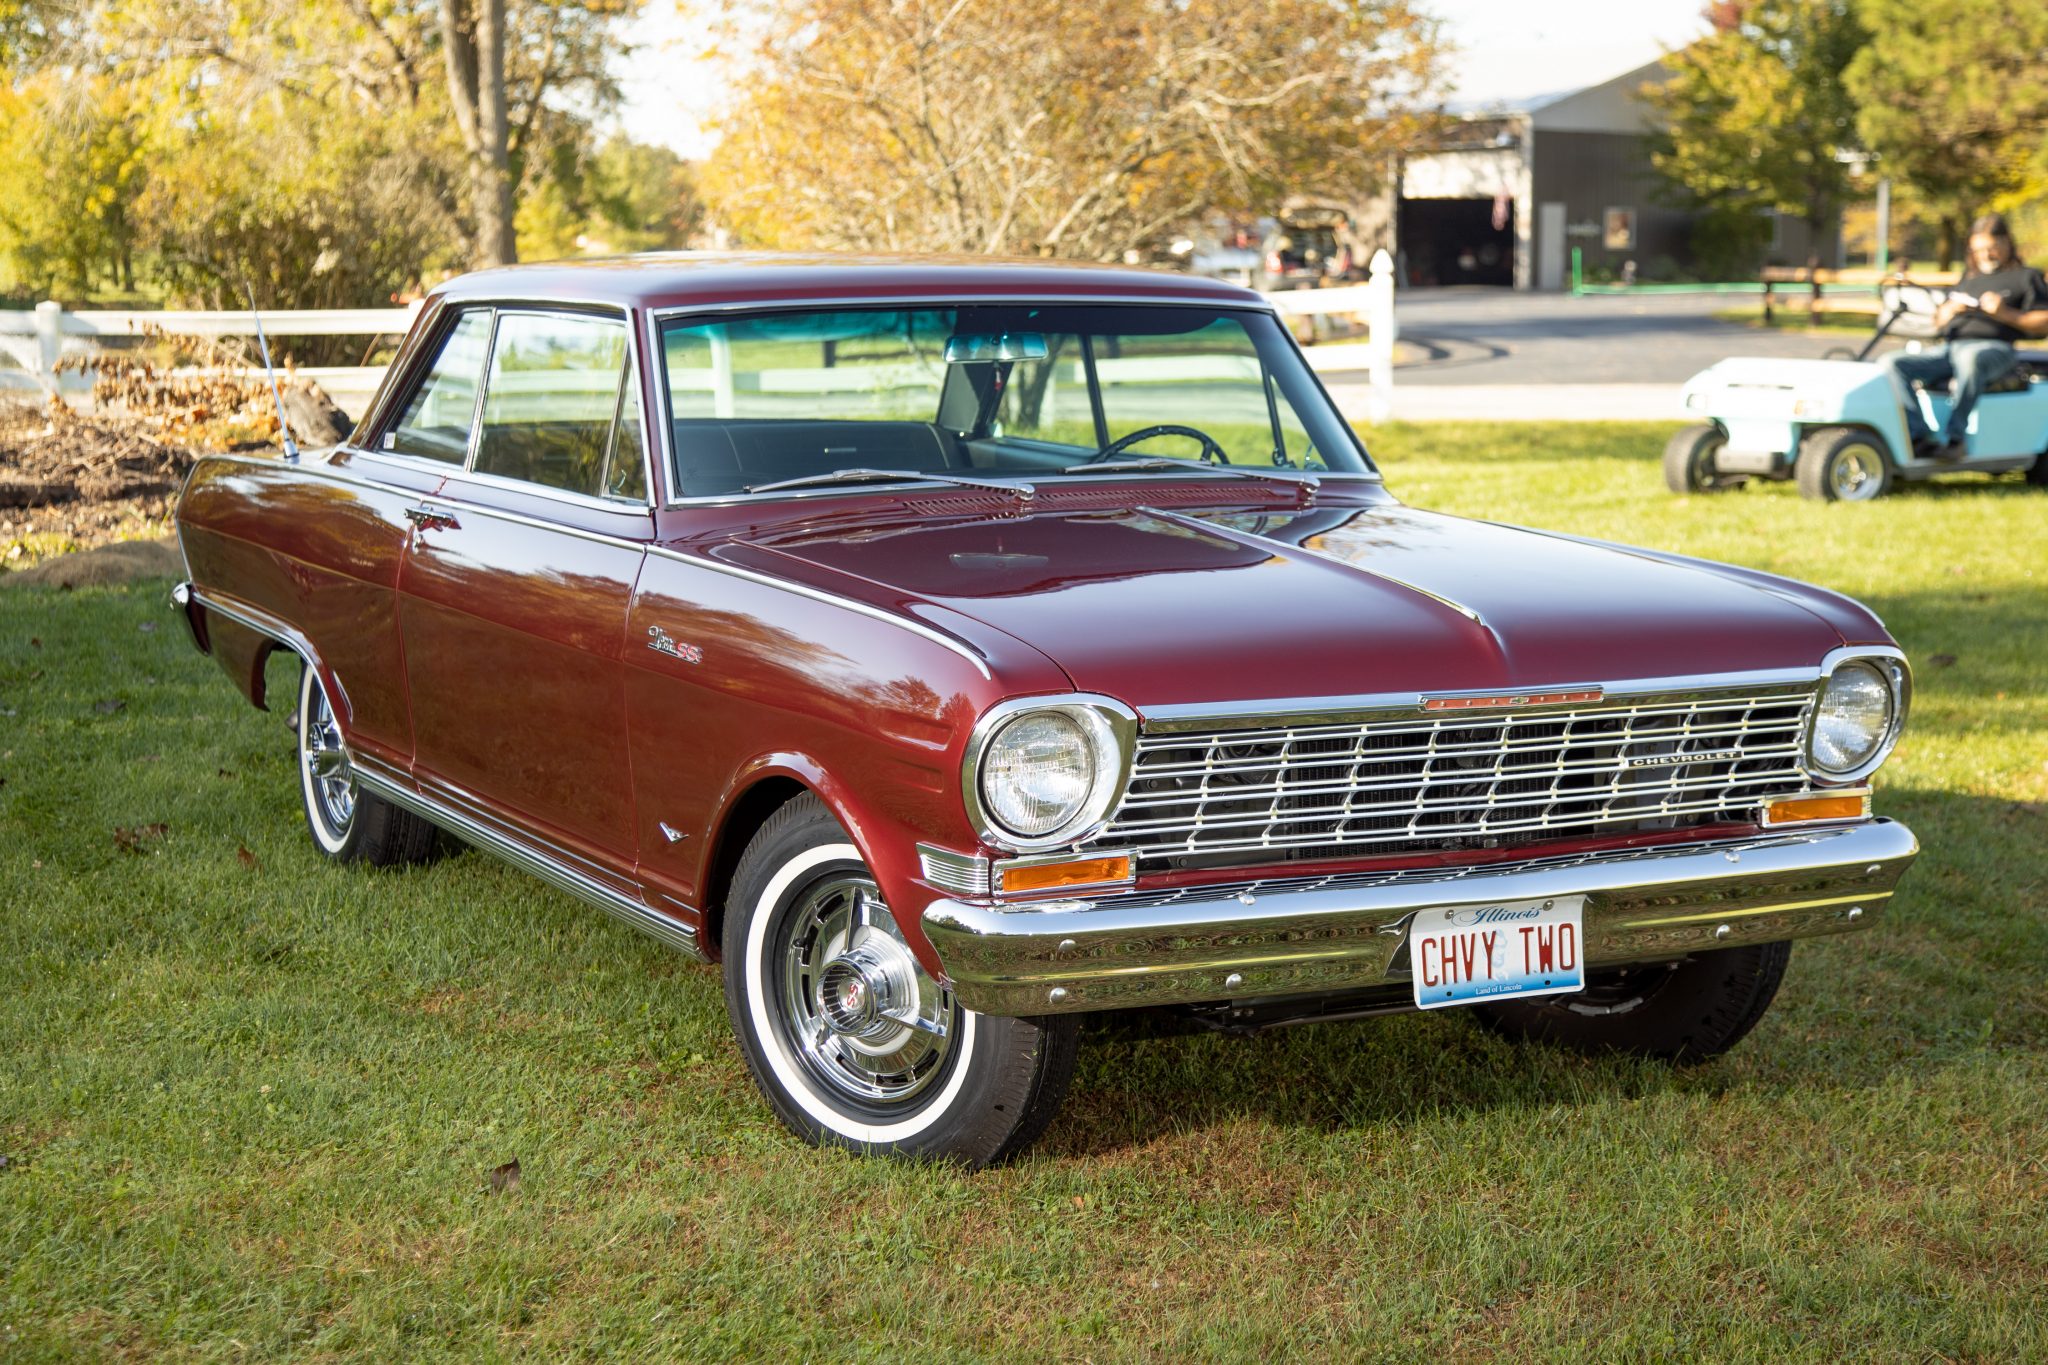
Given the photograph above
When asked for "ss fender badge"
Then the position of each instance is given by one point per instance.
(1583, 694)
(661, 642)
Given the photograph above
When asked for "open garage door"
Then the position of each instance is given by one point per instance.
(1455, 241)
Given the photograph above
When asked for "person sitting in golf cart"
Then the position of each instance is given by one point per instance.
(2001, 300)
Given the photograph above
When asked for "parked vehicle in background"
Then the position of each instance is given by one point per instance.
(956, 650)
(1839, 427)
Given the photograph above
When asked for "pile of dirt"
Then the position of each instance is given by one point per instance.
(122, 562)
(70, 481)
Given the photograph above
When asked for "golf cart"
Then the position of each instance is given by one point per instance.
(1838, 426)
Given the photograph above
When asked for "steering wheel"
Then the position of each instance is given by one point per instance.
(1900, 295)
(1212, 452)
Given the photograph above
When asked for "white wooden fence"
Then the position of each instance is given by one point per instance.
(37, 340)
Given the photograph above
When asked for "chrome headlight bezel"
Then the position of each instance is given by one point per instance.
(1110, 728)
(1889, 665)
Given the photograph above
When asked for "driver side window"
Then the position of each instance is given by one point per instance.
(437, 420)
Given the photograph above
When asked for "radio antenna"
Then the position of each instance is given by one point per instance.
(284, 427)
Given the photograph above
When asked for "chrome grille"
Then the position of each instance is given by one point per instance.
(1430, 783)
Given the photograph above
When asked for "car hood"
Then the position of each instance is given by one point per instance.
(1159, 607)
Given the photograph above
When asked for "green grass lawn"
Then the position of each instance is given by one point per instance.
(1789, 314)
(249, 1101)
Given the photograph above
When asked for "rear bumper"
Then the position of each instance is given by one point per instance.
(187, 603)
(1299, 936)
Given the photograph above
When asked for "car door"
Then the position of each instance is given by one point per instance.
(516, 587)
(350, 521)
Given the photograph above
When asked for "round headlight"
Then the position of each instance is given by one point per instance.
(1042, 773)
(1855, 719)
(1038, 772)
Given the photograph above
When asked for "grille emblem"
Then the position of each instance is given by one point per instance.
(1583, 694)
(1680, 760)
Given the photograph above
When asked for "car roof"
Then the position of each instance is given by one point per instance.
(686, 279)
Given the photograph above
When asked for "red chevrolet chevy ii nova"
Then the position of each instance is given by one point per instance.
(957, 649)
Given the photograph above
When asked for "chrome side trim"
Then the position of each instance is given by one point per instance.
(918, 628)
(966, 874)
(1305, 936)
(256, 619)
(380, 781)
(442, 499)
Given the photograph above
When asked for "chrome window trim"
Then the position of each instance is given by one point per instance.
(1281, 712)
(1897, 672)
(1123, 727)
(402, 379)
(627, 507)
(656, 317)
(379, 416)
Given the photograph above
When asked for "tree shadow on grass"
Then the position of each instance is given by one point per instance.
(1951, 969)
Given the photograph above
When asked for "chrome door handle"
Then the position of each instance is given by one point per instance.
(432, 518)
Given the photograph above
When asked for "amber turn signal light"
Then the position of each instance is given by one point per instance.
(1831, 806)
(1081, 872)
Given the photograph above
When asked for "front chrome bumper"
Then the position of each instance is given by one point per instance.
(1305, 935)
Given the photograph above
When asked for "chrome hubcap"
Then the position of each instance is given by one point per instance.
(868, 1022)
(1856, 474)
(333, 784)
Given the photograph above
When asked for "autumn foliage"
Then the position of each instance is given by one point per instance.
(1066, 130)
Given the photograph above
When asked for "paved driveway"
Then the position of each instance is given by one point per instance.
(1491, 337)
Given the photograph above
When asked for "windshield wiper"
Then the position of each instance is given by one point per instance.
(1159, 462)
(1023, 492)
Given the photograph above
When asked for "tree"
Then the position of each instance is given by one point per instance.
(1067, 130)
(504, 61)
(1757, 116)
(623, 196)
(456, 96)
(72, 158)
(1954, 97)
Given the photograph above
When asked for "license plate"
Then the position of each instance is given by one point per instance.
(1502, 951)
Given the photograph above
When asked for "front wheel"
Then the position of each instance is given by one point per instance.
(1685, 1011)
(854, 1044)
(1689, 460)
(1842, 464)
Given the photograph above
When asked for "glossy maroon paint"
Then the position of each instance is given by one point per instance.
(848, 641)
(1159, 607)
(511, 633)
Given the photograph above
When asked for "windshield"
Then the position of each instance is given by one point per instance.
(1011, 390)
